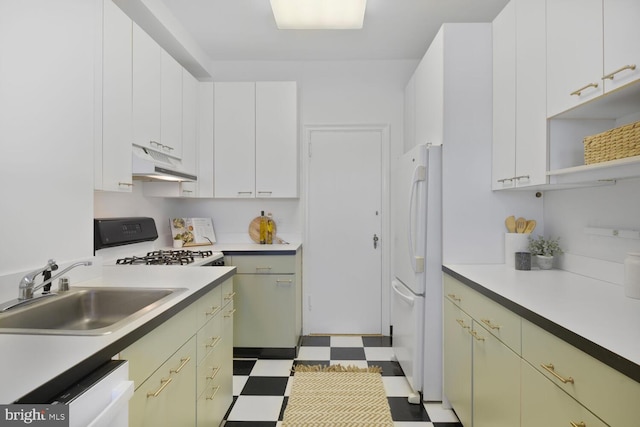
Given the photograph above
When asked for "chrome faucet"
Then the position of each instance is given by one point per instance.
(27, 287)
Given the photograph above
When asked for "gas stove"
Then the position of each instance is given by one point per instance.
(131, 241)
(168, 257)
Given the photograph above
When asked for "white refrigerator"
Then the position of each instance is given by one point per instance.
(416, 302)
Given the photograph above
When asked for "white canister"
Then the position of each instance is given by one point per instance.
(632, 275)
(514, 242)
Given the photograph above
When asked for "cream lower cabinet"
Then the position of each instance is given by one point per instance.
(603, 391)
(458, 362)
(496, 381)
(268, 300)
(182, 370)
(523, 375)
(544, 404)
(481, 368)
(166, 398)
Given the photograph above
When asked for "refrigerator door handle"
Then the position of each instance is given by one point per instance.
(417, 262)
(408, 299)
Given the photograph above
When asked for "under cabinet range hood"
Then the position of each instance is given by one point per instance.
(151, 165)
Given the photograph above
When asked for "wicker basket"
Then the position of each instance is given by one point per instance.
(613, 144)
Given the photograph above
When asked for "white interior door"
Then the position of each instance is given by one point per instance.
(343, 266)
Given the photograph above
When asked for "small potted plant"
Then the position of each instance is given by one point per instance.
(544, 250)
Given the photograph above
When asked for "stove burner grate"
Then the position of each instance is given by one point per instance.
(165, 257)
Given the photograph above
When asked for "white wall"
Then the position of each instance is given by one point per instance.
(568, 212)
(46, 132)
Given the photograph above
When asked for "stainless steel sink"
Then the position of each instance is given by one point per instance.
(85, 311)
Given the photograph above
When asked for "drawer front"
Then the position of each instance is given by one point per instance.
(544, 404)
(496, 319)
(153, 349)
(208, 370)
(264, 264)
(609, 394)
(227, 292)
(209, 305)
(209, 337)
(458, 293)
(499, 321)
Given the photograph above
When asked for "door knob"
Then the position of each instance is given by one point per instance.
(375, 241)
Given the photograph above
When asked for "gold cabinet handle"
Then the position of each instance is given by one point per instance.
(551, 369)
(125, 184)
(216, 388)
(230, 296)
(229, 314)
(610, 76)
(214, 310)
(580, 424)
(454, 297)
(579, 91)
(183, 361)
(214, 372)
(476, 336)
(490, 324)
(163, 384)
(214, 342)
(461, 322)
(263, 268)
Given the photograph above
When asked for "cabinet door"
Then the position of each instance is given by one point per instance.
(496, 382)
(276, 139)
(205, 139)
(189, 121)
(457, 361)
(621, 35)
(504, 98)
(430, 94)
(234, 139)
(116, 100)
(531, 95)
(574, 53)
(265, 314)
(544, 404)
(170, 105)
(168, 397)
(146, 89)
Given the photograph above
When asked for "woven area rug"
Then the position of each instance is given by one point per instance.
(337, 396)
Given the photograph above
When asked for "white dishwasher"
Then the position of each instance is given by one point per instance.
(101, 399)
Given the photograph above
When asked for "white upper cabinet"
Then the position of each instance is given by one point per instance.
(189, 130)
(276, 139)
(114, 124)
(621, 47)
(170, 105)
(255, 143)
(157, 96)
(147, 60)
(519, 96)
(428, 97)
(574, 53)
(591, 48)
(234, 139)
(504, 98)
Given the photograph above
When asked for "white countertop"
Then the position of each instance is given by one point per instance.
(28, 361)
(254, 247)
(595, 310)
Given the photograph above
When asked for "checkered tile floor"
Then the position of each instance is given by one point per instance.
(261, 386)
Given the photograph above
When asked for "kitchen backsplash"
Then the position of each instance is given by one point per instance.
(567, 213)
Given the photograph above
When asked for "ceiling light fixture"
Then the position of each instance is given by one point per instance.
(319, 14)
